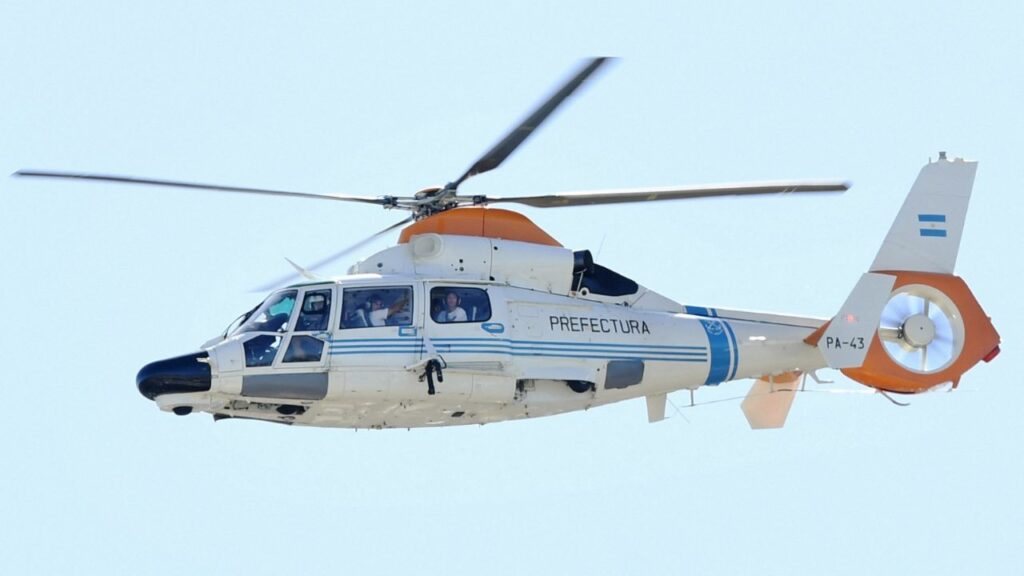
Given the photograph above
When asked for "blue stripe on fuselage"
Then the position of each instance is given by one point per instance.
(718, 342)
(735, 350)
(502, 346)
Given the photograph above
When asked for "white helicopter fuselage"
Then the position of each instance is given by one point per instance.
(477, 316)
(532, 340)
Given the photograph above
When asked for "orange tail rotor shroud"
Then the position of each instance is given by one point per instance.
(981, 341)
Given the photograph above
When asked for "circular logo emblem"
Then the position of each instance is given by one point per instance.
(713, 328)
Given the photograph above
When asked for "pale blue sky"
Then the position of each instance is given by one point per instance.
(392, 97)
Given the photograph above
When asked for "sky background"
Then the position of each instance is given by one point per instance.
(387, 98)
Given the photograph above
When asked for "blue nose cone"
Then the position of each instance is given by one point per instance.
(188, 373)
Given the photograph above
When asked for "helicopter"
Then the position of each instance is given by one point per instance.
(477, 315)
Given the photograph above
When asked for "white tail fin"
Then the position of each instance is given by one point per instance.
(925, 237)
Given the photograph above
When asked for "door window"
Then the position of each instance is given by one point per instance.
(314, 316)
(456, 304)
(377, 306)
(315, 312)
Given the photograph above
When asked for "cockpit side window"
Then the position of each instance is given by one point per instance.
(272, 315)
(455, 304)
(315, 312)
(377, 306)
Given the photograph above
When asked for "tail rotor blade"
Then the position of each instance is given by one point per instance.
(891, 317)
(901, 307)
(944, 338)
(895, 312)
(899, 353)
(939, 353)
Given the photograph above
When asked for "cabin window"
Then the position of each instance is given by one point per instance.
(456, 304)
(377, 306)
(272, 315)
(315, 312)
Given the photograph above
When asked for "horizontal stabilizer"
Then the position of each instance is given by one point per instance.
(769, 400)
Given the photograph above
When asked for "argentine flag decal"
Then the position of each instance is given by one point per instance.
(933, 225)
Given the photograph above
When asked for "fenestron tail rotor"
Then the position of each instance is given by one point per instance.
(921, 329)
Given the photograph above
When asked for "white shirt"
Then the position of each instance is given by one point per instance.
(456, 315)
(379, 317)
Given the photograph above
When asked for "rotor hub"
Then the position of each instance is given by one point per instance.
(918, 330)
(426, 193)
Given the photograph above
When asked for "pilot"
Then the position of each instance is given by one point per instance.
(313, 316)
(452, 312)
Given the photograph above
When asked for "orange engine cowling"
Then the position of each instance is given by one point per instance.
(932, 330)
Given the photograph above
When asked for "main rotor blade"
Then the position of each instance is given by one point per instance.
(674, 193)
(287, 279)
(193, 185)
(503, 149)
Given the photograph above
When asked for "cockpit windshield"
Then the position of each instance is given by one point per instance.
(272, 315)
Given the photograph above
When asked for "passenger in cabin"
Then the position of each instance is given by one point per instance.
(380, 314)
(452, 312)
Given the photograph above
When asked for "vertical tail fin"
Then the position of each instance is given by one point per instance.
(925, 237)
